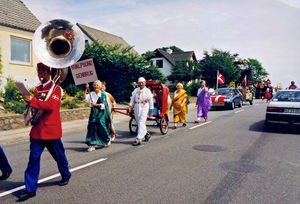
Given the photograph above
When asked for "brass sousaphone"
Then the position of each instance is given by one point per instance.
(57, 44)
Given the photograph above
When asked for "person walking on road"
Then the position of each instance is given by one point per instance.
(142, 99)
(293, 85)
(203, 103)
(99, 124)
(111, 102)
(47, 133)
(4, 166)
(179, 105)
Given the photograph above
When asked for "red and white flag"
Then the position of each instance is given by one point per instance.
(221, 79)
(245, 80)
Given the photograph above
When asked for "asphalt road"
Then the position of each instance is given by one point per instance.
(241, 162)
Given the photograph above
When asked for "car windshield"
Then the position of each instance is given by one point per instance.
(223, 91)
(289, 96)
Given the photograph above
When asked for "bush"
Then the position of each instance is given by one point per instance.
(72, 89)
(192, 88)
(69, 104)
(13, 99)
(78, 98)
(16, 106)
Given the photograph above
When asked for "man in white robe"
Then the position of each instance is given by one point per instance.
(142, 99)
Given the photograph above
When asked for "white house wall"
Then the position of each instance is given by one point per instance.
(167, 66)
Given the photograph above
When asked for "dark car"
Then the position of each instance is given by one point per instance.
(227, 97)
(284, 108)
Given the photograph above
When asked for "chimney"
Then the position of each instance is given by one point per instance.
(169, 51)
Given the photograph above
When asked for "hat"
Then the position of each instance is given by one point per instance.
(141, 79)
(43, 66)
(180, 84)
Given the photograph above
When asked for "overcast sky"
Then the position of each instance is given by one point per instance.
(266, 30)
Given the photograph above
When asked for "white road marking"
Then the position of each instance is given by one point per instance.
(256, 104)
(200, 125)
(53, 176)
(238, 111)
(141, 146)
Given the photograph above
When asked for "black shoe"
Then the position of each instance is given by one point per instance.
(25, 196)
(136, 143)
(147, 137)
(184, 124)
(5, 175)
(64, 182)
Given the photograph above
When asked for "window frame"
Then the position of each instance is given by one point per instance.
(162, 63)
(30, 51)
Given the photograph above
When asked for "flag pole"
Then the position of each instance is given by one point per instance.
(217, 79)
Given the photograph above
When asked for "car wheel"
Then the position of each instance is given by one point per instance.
(232, 105)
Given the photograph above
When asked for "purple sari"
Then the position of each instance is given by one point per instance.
(203, 103)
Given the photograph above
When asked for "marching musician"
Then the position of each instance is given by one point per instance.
(47, 133)
(4, 165)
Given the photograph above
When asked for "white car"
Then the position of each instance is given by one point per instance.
(284, 108)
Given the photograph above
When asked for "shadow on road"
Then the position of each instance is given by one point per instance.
(8, 185)
(261, 127)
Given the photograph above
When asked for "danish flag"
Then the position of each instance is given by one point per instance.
(221, 79)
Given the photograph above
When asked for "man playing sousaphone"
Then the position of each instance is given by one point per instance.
(46, 133)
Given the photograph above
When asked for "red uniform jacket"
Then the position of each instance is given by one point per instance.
(49, 126)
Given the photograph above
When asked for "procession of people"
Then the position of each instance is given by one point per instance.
(47, 132)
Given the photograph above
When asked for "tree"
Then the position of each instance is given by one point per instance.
(119, 68)
(185, 71)
(223, 61)
(173, 48)
(253, 69)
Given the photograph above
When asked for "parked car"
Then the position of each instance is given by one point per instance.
(227, 97)
(284, 108)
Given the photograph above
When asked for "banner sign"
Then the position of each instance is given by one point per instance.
(84, 72)
(232, 84)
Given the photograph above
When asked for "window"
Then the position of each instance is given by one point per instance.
(159, 63)
(20, 50)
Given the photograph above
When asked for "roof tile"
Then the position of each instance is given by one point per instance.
(14, 14)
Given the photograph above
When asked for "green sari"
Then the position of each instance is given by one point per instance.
(99, 124)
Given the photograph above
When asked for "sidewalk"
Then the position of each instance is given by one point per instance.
(22, 134)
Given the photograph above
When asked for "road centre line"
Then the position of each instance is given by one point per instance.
(200, 125)
(53, 176)
(239, 111)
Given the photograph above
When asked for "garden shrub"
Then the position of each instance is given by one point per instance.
(72, 89)
(69, 104)
(13, 99)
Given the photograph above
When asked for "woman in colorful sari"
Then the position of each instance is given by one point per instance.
(111, 104)
(98, 129)
(203, 103)
(179, 104)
